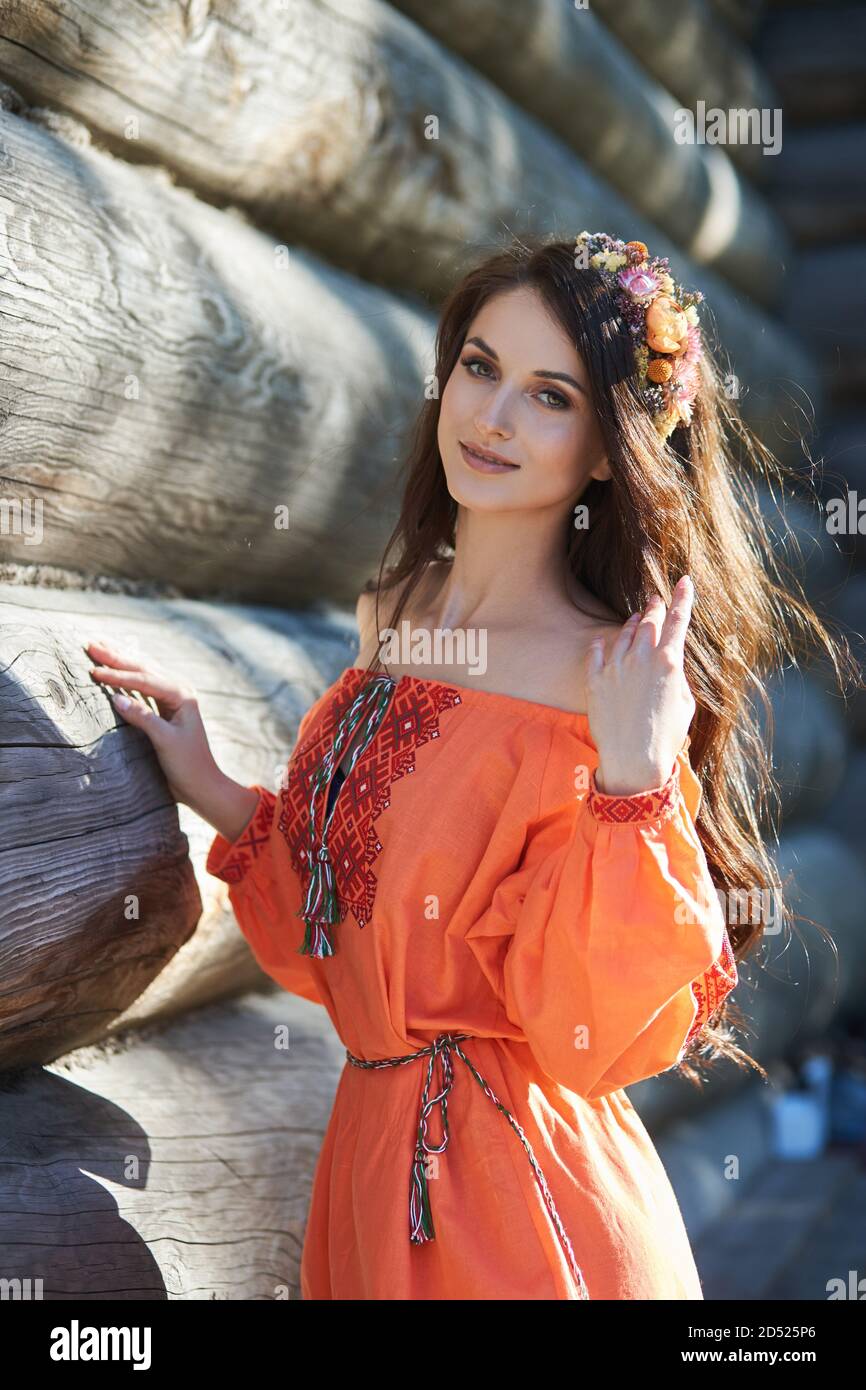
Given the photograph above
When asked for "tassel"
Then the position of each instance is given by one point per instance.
(320, 907)
(420, 1223)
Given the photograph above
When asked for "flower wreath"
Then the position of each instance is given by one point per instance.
(661, 316)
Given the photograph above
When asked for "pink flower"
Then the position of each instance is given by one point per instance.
(683, 387)
(693, 344)
(638, 282)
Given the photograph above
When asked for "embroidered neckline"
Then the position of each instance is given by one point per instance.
(549, 714)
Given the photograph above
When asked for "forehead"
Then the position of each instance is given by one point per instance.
(518, 326)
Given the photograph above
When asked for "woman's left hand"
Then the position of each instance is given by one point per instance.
(638, 699)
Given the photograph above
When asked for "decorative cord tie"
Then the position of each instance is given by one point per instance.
(420, 1215)
(321, 907)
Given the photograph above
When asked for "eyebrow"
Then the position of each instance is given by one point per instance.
(551, 376)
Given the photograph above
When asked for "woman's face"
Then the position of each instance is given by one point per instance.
(519, 388)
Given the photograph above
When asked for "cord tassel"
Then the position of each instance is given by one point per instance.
(420, 1217)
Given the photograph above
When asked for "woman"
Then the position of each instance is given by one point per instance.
(533, 919)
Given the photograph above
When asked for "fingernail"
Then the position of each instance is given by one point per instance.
(122, 701)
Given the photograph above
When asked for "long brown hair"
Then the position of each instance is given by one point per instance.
(685, 505)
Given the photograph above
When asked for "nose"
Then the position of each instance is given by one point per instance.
(492, 417)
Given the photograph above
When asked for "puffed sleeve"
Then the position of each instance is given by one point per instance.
(250, 865)
(619, 951)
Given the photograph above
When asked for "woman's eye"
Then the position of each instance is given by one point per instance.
(563, 403)
(560, 401)
(473, 362)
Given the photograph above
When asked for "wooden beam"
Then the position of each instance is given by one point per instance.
(188, 400)
(563, 66)
(177, 1165)
(108, 917)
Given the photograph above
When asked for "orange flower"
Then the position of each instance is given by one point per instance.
(659, 370)
(666, 326)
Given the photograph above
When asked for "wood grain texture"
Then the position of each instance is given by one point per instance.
(826, 305)
(107, 916)
(565, 67)
(696, 56)
(352, 171)
(171, 378)
(816, 57)
(173, 1165)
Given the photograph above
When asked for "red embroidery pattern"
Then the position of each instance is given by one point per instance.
(713, 988)
(250, 843)
(411, 720)
(657, 804)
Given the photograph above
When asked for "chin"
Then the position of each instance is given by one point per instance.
(484, 494)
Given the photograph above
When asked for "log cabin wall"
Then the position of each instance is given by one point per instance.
(224, 232)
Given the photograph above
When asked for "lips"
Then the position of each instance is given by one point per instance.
(484, 463)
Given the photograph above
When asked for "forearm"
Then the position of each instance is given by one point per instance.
(225, 804)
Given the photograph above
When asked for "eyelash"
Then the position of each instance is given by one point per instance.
(546, 391)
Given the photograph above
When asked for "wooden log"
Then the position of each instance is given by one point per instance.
(364, 202)
(841, 480)
(565, 67)
(810, 744)
(87, 1143)
(743, 16)
(850, 609)
(825, 305)
(318, 120)
(844, 815)
(103, 881)
(801, 541)
(229, 416)
(192, 408)
(804, 985)
(696, 58)
(815, 56)
(814, 186)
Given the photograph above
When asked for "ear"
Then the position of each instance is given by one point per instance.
(602, 471)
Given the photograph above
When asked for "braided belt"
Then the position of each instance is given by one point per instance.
(420, 1217)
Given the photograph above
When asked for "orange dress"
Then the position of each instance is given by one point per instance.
(501, 949)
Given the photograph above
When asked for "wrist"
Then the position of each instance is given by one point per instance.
(225, 804)
(613, 781)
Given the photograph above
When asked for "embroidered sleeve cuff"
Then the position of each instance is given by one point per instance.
(659, 803)
(232, 860)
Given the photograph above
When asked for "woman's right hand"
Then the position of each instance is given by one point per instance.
(176, 731)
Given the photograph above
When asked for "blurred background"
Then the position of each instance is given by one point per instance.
(225, 228)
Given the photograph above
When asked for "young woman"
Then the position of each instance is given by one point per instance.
(504, 876)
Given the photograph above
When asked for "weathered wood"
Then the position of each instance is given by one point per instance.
(219, 389)
(221, 1115)
(805, 987)
(826, 305)
(850, 609)
(798, 533)
(845, 813)
(814, 182)
(86, 818)
(816, 58)
(565, 67)
(743, 16)
(840, 452)
(810, 744)
(694, 56)
(184, 399)
(315, 118)
(382, 197)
